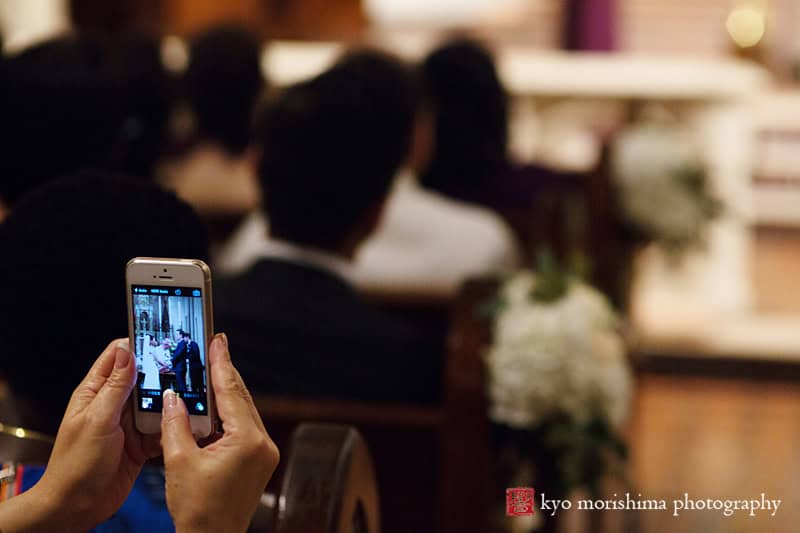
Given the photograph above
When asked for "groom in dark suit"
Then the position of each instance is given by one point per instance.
(330, 149)
(195, 363)
(179, 361)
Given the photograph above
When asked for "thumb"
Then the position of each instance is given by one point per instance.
(112, 397)
(176, 431)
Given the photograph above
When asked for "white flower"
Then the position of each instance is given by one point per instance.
(647, 160)
(565, 356)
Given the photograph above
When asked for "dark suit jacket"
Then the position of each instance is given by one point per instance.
(300, 330)
(193, 354)
(179, 357)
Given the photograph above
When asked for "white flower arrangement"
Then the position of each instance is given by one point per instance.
(661, 184)
(563, 356)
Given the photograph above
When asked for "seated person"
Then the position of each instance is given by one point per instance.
(330, 148)
(67, 245)
(426, 243)
(211, 168)
(85, 101)
(471, 161)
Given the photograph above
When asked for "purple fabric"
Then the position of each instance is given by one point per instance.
(590, 25)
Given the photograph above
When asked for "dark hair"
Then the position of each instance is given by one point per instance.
(471, 109)
(65, 247)
(332, 145)
(80, 102)
(186, 334)
(223, 82)
(135, 65)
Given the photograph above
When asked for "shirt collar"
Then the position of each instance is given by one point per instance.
(295, 253)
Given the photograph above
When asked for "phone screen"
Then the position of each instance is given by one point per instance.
(169, 346)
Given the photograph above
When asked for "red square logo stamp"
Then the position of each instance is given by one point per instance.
(519, 501)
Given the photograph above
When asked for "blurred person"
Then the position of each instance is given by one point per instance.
(221, 85)
(470, 160)
(426, 242)
(98, 454)
(135, 61)
(330, 149)
(65, 247)
(223, 81)
(471, 128)
(76, 102)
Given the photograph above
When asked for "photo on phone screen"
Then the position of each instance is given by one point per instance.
(169, 346)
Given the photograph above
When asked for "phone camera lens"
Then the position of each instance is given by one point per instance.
(165, 270)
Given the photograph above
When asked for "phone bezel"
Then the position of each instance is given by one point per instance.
(184, 273)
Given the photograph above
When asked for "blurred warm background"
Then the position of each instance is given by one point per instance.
(711, 330)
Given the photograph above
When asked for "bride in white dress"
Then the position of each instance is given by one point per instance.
(150, 365)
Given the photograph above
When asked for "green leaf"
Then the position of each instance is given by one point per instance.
(552, 283)
(491, 307)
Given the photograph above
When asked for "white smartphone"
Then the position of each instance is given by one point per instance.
(170, 327)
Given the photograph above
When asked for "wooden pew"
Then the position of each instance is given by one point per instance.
(403, 441)
(434, 463)
(327, 485)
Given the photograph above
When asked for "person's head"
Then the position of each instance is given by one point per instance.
(65, 248)
(330, 149)
(179, 335)
(223, 81)
(187, 336)
(165, 343)
(471, 122)
(152, 340)
(80, 102)
(135, 65)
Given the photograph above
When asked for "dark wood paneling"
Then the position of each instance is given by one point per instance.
(286, 19)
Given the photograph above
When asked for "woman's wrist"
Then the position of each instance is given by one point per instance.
(34, 511)
(42, 509)
(202, 523)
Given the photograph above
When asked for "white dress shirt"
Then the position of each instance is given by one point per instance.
(426, 243)
(277, 249)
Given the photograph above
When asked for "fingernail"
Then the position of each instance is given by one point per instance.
(170, 400)
(222, 339)
(123, 355)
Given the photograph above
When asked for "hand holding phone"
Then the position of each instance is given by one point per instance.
(217, 488)
(96, 457)
(170, 324)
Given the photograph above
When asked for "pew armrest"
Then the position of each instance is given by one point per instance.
(328, 485)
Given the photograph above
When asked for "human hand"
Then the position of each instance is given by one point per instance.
(217, 488)
(96, 458)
